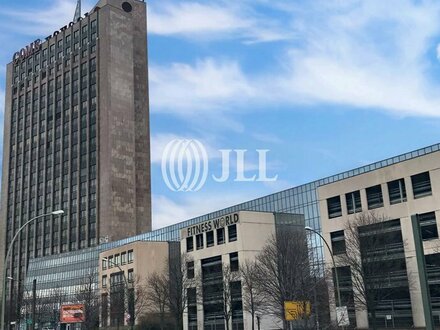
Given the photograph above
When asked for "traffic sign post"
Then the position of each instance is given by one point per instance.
(295, 310)
(342, 316)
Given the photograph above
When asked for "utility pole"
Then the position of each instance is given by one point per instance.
(34, 302)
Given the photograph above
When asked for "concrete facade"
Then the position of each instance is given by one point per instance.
(76, 136)
(147, 258)
(430, 202)
(253, 229)
(124, 144)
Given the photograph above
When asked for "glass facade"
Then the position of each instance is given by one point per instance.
(64, 270)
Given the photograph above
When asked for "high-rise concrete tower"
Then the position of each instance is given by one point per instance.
(76, 136)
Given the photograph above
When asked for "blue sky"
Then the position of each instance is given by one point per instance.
(326, 85)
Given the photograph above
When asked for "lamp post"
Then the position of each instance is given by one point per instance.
(338, 292)
(126, 287)
(10, 278)
(57, 212)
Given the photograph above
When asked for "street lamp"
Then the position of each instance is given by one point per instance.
(57, 212)
(338, 292)
(34, 283)
(126, 287)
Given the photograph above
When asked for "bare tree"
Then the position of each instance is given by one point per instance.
(137, 298)
(284, 273)
(374, 253)
(88, 295)
(172, 284)
(180, 277)
(48, 307)
(231, 286)
(158, 295)
(253, 300)
(127, 297)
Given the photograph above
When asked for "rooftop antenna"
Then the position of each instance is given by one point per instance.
(77, 11)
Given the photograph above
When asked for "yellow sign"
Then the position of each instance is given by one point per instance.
(295, 310)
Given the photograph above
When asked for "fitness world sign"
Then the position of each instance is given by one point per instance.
(214, 224)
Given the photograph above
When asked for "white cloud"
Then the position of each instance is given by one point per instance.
(206, 20)
(43, 21)
(360, 54)
(368, 56)
(193, 18)
(160, 141)
(167, 211)
(208, 85)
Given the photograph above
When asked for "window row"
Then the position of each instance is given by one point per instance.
(210, 240)
(118, 278)
(421, 187)
(428, 228)
(233, 265)
(62, 44)
(117, 259)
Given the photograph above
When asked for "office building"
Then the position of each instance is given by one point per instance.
(76, 137)
(123, 274)
(52, 272)
(392, 194)
(215, 250)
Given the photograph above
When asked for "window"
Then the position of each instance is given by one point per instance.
(338, 242)
(220, 236)
(104, 281)
(189, 244)
(190, 269)
(199, 241)
(353, 200)
(104, 264)
(421, 185)
(210, 238)
(117, 259)
(397, 191)
(233, 260)
(192, 308)
(110, 262)
(334, 207)
(232, 233)
(123, 258)
(130, 277)
(428, 225)
(374, 197)
(130, 256)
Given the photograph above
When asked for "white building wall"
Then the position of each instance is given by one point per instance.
(253, 231)
(402, 211)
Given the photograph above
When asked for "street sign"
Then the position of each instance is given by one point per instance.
(342, 316)
(72, 313)
(294, 310)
